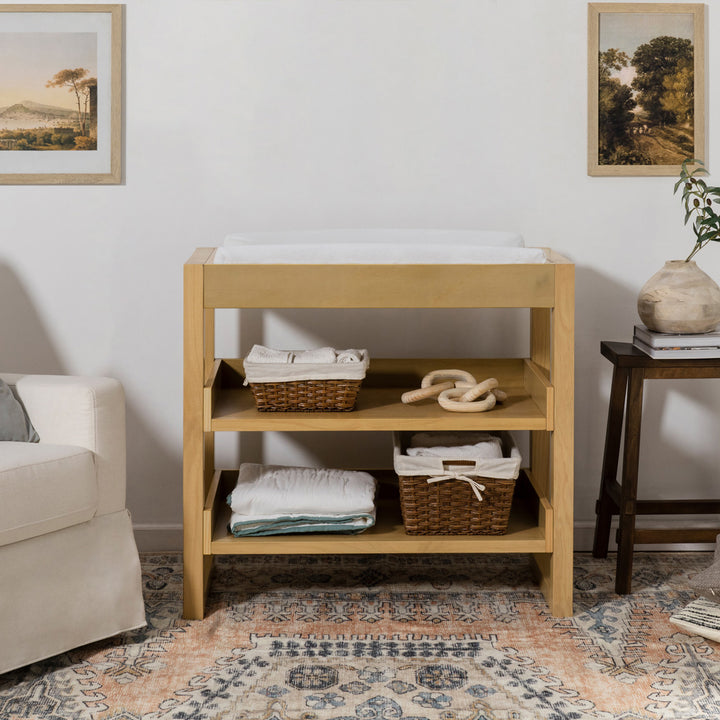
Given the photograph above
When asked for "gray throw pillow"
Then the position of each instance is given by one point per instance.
(14, 422)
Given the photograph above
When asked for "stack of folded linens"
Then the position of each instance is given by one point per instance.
(322, 379)
(276, 499)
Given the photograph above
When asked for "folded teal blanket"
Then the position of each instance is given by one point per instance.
(302, 524)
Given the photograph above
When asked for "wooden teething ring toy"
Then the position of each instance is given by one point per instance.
(500, 395)
(448, 402)
(431, 384)
(479, 390)
(422, 393)
(457, 391)
(454, 375)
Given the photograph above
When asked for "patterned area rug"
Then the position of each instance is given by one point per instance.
(389, 638)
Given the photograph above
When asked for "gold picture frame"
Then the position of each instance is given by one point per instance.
(645, 116)
(61, 94)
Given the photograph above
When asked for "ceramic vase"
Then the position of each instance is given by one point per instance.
(680, 298)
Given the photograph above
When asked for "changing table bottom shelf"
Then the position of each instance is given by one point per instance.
(529, 529)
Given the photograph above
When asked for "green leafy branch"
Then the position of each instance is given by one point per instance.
(697, 199)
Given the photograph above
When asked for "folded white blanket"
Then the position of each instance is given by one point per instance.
(273, 489)
(271, 499)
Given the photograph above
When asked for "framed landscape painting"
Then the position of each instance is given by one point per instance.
(60, 94)
(646, 87)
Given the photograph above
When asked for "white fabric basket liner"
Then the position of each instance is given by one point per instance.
(377, 246)
(505, 468)
(292, 372)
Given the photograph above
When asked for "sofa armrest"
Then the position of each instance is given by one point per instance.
(87, 412)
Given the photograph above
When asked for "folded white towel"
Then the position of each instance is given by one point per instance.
(276, 490)
(318, 355)
(349, 355)
(448, 439)
(262, 354)
(260, 372)
(484, 451)
(460, 445)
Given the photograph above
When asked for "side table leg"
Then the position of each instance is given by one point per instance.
(628, 495)
(606, 506)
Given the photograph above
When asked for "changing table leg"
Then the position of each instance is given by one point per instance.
(555, 567)
(552, 347)
(198, 445)
(560, 575)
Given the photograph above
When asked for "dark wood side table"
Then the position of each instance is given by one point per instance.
(631, 367)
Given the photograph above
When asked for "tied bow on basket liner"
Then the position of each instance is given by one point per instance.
(476, 487)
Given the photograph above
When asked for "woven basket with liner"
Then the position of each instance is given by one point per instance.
(323, 387)
(450, 506)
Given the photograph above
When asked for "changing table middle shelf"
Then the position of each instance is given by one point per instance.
(228, 406)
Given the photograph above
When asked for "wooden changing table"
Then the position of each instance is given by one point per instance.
(540, 400)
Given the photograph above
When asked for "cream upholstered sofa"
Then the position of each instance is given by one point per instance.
(69, 566)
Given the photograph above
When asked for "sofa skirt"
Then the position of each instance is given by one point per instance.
(65, 589)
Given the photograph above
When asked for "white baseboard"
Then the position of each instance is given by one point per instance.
(159, 538)
(169, 538)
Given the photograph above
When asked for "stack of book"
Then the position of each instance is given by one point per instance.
(671, 345)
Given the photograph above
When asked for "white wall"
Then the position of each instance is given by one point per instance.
(279, 114)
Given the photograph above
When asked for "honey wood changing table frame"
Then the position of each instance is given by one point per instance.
(540, 389)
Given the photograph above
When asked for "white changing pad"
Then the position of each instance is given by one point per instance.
(381, 246)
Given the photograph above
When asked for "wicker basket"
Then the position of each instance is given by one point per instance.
(306, 395)
(306, 387)
(450, 507)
